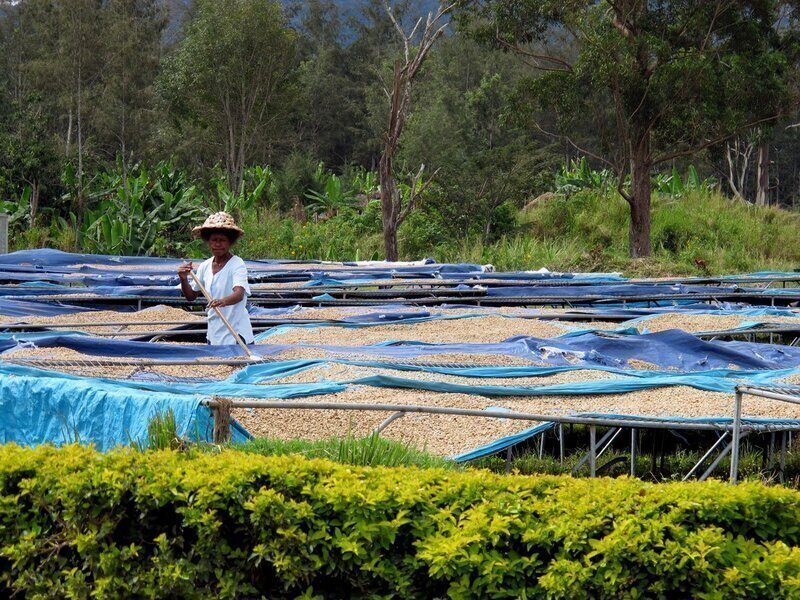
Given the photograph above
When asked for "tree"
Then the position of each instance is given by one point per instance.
(232, 77)
(466, 129)
(393, 209)
(57, 67)
(124, 107)
(658, 80)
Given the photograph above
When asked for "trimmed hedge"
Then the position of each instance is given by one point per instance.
(75, 522)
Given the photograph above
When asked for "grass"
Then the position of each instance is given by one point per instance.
(698, 233)
(372, 450)
(162, 434)
(673, 466)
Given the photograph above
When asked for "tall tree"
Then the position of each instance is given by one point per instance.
(659, 80)
(131, 56)
(393, 209)
(59, 69)
(466, 128)
(231, 76)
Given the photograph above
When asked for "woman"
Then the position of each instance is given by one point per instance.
(224, 276)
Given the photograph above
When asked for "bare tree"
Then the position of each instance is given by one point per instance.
(762, 174)
(393, 209)
(737, 154)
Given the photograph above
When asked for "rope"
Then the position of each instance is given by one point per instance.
(221, 433)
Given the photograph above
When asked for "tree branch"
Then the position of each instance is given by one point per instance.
(708, 143)
(563, 65)
(569, 140)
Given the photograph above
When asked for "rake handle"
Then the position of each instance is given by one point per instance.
(235, 335)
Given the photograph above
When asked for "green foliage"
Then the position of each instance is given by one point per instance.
(74, 523)
(137, 211)
(641, 84)
(676, 186)
(578, 175)
(333, 198)
(370, 451)
(343, 237)
(232, 80)
(256, 182)
(162, 434)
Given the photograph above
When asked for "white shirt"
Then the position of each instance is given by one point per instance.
(233, 274)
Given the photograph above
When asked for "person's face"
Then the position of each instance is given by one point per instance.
(219, 244)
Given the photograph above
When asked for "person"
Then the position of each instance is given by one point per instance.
(224, 276)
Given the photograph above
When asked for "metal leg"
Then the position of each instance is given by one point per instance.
(700, 462)
(561, 443)
(608, 444)
(771, 452)
(602, 441)
(387, 421)
(592, 451)
(508, 460)
(541, 444)
(782, 472)
(737, 428)
(719, 458)
(634, 433)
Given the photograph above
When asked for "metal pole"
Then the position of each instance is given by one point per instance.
(602, 441)
(508, 460)
(608, 444)
(541, 444)
(634, 433)
(737, 427)
(771, 452)
(782, 474)
(705, 456)
(388, 421)
(561, 443)
(469, 412)
(592, 451)
(717, 460)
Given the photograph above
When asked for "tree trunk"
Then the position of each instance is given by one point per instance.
(388, 216)
(762, 179)
(640, 200)
(34, 204)
(79, 139)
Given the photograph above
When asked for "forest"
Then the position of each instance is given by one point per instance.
(518, 132)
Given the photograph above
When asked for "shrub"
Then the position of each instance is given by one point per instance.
(74, 523)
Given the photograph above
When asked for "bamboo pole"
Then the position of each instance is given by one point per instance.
(235, 335)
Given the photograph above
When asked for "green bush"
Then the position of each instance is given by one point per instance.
(75, 523)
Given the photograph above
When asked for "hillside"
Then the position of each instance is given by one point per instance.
(695, 234)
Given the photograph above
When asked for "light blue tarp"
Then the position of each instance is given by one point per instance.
(40, 406)
(40, 409)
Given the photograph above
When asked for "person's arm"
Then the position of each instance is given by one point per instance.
(186, 287)
(230, 299)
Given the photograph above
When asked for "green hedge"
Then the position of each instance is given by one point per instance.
(75, 523)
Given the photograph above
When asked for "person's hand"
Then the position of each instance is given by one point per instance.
(217, 303)
(184, 270)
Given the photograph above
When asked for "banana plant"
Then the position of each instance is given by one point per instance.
(578, 175)
(130, 216)
(18, 211)
(333, 199)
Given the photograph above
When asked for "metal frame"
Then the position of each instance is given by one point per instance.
(783, 393)
(737, 429)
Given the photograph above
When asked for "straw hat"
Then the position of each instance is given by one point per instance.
(220, 220)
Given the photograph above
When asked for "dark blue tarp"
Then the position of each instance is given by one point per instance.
(130, 349)
(632, 289)
(667, 349)
(26, 308)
